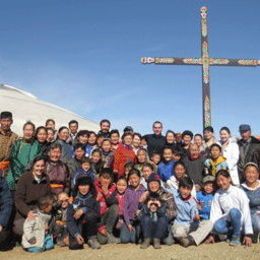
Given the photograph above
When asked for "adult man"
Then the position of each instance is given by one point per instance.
(7, 138)
(249, 148)
(209, 139)
(104, 128)
(73, 127)
(156, 141)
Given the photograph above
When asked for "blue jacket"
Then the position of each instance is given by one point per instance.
(165, 170)
(205, 201)
(6, 203)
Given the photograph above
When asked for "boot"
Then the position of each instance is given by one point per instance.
(187, 241)
(146, 243)
(93, 243)
(156, 243)
(111, 239)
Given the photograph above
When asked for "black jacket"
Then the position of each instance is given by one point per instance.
(155, 143)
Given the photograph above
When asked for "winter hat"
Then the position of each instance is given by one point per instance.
(154, 177)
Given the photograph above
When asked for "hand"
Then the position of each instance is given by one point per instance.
(31, 215)
(80, 239)
(210, 240)
(247, 241)
(105, 188)
(99, 196)
(79, 212)
(60, 223)
(1, 228)
(131, 228)
(196, 217)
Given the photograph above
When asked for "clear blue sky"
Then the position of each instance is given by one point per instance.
(85, 55)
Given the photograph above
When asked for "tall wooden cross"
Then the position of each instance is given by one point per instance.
(205, 61)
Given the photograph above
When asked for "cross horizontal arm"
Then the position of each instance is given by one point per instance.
(171, 61)
(234, 62)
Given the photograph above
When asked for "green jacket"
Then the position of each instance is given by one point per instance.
(22, 153)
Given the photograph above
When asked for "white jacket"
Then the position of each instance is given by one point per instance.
(231, 153)
(225, 200)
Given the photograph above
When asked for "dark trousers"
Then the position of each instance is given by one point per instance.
(88, 228)
(6, 241)
(154, 229)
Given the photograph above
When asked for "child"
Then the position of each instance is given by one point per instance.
(187, 228)
(148, 169)
(176, 155)
(61, 233)
(156, 158)
(36, 236)
(121, 187)
(130, 230)
(165, 167)
(230, 211)
(216, 161)
(106, 197)
(107, 154)
(204, 198)
(96, 161)
(83, 216)
(85, 170)
(128, 166)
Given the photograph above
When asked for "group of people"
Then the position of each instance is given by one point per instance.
(72, 187)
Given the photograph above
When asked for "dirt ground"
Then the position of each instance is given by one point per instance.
(124, 252)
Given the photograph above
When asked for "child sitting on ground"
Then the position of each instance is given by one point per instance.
(36, 231)
(204, 198)
(187, 227)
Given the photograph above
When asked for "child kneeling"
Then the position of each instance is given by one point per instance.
(187, 228)
(36, 236)
(83, 216)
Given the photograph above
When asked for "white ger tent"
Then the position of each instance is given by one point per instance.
(26, 106)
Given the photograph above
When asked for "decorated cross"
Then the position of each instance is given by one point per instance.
(205, 61)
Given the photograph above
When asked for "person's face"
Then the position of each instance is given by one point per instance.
(194, 152)
(170, 138)
(41, 136)
(156, 158)
(154, 186)
(186, 140)
(100, 140)
(141, 156)
(105, 181)
(207, 135)
(105, 126)
(83, 139)
(167, 155)
(179, 171)
(176, 157)
(48, 209)
(134, 180)
(63, 201)
(223, 182)
(115, 138)
(64, 134)
(185, 192)
(209, 187)
(95, 157)
(92, 139)
(55, 154)
(85, 166)
(128, 139)
(136, 141)
(245, 135)
(73, 128)
(79, 153)
(251, 174)
(198, 140)
(157, 128)
(106, 146)
(224, 136)
(147, 171)
(83, 189)
(50, 124)
(38, 168)
(28, 132)
(6, 123)
(215, 152)
(50, 136)
(121, 186)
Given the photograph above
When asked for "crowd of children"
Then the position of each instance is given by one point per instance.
(69, 188)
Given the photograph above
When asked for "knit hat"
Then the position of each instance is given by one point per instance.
(154, 177)
(208, 178)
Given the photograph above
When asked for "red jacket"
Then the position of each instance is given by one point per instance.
(123, 155)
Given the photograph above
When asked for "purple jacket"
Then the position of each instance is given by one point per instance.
(132, 197)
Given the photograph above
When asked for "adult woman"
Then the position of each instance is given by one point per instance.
(142, 158)
(23, 152)
(230, 151)
(31, 186)
(230, 212)
(136, 143)
(171, 140)
(251, 186)
(67, 151)
(41, 136)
